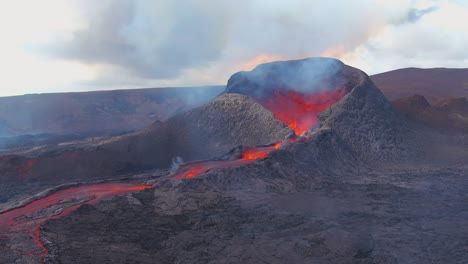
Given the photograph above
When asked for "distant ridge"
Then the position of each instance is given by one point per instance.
(97, 111)
(434, 84)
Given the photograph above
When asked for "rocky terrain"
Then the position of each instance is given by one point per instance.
(366, 184)
(449, 115)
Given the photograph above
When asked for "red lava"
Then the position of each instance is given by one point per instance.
(10, 224)
(299, 111)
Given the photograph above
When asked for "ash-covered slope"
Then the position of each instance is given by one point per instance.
(435, 84)
(448, 115)
(97, 112)
(206, 132)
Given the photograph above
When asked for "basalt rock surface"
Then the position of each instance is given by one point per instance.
(450, 115)
(276, 211)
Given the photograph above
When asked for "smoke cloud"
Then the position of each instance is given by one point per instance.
(137, 43)
(150, 39)
(162, 39)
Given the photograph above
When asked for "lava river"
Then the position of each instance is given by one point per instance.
(28, 218)
(298, 111)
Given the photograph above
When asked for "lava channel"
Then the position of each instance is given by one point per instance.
(249, 155)
(28, 218)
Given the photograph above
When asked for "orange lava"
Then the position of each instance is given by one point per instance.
(11, 224)
(249, 155)
(194, 169)
(255, 153)
(299, 111)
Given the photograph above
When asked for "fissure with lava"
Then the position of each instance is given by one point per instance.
(296, 110)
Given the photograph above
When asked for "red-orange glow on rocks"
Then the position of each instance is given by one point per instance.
(16, 221)
(299, 111)
(249, 155)
(255, 153)
(194, 169)
(25, 167)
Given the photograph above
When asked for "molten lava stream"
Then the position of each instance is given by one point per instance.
(249, 155)
(10, 224)
(299, 111)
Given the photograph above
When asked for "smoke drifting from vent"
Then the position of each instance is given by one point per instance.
(294, 91)
(304, 76)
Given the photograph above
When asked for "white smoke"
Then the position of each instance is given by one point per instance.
(176, 163)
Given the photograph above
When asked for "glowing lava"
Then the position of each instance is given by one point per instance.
(255, 153)
(299, 111)
(28, 218)
(249, 155)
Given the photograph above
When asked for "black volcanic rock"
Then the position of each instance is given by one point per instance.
(366, 120)
(434, 84)
(450, 115)
(274, 211)
(453, 105)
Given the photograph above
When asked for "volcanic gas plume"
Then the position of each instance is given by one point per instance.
(297, 110)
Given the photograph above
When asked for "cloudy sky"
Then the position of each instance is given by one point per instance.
(80, 45)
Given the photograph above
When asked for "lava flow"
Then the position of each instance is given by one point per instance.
(249, 155)
(28, 218)
(299, 111)
(296, 110)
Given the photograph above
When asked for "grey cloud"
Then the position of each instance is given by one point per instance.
(158, 40)
(149, 39)
(415, 14)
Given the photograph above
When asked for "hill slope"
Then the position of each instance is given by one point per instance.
(100, 111)
(434, 84)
